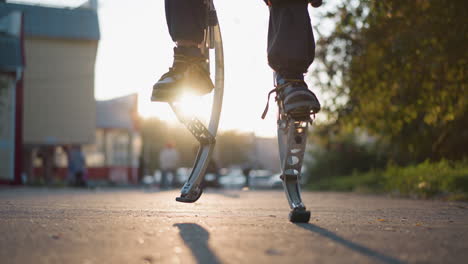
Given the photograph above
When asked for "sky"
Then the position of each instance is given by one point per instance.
(135, 50)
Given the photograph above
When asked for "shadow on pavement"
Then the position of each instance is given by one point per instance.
(351, 245)
(196, 238)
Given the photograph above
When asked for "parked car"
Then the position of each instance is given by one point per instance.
(260, 179)
(233, 179)
(275, 181)
(211, 180)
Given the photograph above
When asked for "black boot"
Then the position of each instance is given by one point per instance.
(188, 74)
(297, 100)
(294, 97)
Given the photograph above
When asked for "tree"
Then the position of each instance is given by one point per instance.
(401, 67)
(156, 134)
(233, 148)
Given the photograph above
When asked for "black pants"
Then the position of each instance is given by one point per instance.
(291, 45)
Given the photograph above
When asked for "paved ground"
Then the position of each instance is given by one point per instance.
(147, 226)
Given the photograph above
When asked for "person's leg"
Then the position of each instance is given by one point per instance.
(163, 182)
(291, 50)
(291, 45)
(186, 21)
(79, 179)
(175, 182)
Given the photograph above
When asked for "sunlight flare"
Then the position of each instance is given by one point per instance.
(192, 105)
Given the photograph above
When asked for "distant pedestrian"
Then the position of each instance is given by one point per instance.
(246, 169)
(141, 168)
(168, 160)
(47, 155)
(76, 166)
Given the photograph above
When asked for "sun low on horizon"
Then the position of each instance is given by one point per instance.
(135, 49)
(248, 78)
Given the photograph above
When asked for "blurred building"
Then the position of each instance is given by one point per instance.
(114, 156)
(264, 154)
(59, 108)
(11, 72)
(60, 48)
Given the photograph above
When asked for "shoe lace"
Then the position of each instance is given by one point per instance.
(180, 58)
(278, 90)
(186, 61)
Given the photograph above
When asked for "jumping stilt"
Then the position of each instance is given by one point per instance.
(292, 140)
(206, 136)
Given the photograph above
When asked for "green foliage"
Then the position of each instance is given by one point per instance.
(156, 134)
(370, 182)
(232, 148)
(339, 152)
(428, 179)
(402, 68)
(425, 180)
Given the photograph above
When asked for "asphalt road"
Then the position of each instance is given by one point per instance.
(148, 226)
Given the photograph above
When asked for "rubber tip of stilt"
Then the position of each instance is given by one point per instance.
(185, 200)
(190, 198)
(299, 216)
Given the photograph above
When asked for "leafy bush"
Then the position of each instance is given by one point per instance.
(343, 152)
(362, 182)
(428, 179)
(425, 180)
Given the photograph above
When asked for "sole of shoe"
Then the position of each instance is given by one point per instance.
(300, 114)
(301, 111)
(170, 93)
(165, 96)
